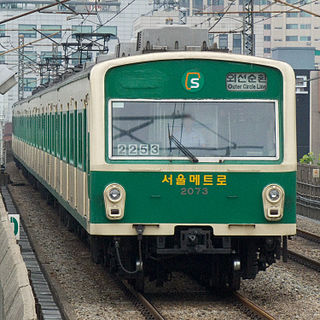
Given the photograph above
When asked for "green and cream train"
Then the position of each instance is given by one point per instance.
(170, 161)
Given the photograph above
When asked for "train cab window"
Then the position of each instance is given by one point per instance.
(206, 130)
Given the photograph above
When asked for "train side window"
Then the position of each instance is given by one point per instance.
(42, 130)
(57, 134)
(52, 137)
(33, 130)
(85, 152)
(75, 136)
(48, 127)
(45, 136)
(36, 121)
(64, 136)
(48, 133)
(38, 131)
(80, 141)
(71, 141)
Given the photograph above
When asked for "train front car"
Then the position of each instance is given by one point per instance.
(192, 165)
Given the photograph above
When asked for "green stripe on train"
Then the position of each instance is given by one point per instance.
(153, 197)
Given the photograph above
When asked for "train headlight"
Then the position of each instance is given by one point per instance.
(114, 194)
(274, 194)
(114, 200)
(273, 202)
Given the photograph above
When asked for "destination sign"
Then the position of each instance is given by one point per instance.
(246, 81)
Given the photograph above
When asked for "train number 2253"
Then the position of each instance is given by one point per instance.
(193, 191)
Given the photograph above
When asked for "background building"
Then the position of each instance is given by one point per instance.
(272, 25)
(38, 60)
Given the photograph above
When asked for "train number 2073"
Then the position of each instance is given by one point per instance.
(193, 191)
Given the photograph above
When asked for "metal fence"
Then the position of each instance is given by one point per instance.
(308, 191)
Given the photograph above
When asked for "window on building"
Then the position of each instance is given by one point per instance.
(78, 58)
(267, 26)
(305, 26)
(81, 29)
(44, 80)
(291, 38)
(262, 14)
(50, 29)
(303, 14)
(267, 50)
(2, 58)
(292, 26)
(30, 57)
(267, 38)
(236, 46)
(107, 29)
(29, 84)
(48, 57)
(305, 38)
(256, 2)
(292, 14)
(2, 30)
(27, 30)
(223, 41)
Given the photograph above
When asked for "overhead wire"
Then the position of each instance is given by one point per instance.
(84, 20)
(119, 12)
(32, 11)
(208, 19)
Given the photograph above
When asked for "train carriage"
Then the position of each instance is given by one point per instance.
(170, 161)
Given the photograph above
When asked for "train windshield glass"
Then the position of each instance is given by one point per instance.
(199, 129)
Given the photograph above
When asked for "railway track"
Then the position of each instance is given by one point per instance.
(309, 236)
(150, 312)
(251, 309)
(310, 263)
(302, 259)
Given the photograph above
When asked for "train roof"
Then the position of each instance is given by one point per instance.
(70, 77)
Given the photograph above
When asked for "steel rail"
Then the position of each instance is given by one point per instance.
(148, 310)
(307, 235)
(253, 307)
(308, 262)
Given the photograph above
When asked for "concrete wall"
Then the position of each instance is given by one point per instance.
(16, 297)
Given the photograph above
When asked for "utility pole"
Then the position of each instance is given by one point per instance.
(248, 32)
(20, 67)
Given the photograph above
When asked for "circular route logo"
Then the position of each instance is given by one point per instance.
(192, 80)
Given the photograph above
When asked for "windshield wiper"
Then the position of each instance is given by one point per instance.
(181, 147)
